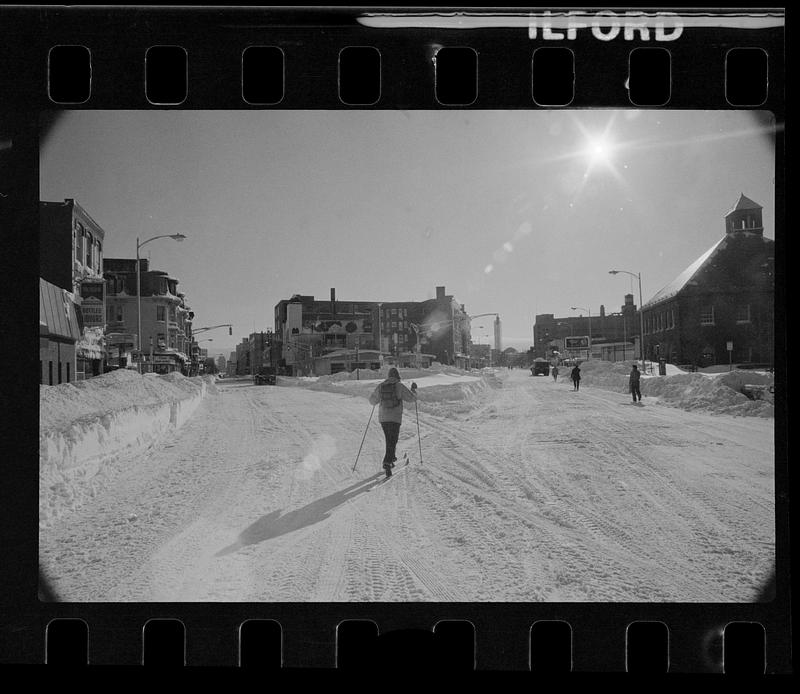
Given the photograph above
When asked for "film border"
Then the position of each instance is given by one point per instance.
(312, 38)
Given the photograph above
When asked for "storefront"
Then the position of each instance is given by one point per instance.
(165, 362)
(89, 354)
(119, 351)
(346, 360)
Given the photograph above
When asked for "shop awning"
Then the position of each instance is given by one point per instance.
(57, 316)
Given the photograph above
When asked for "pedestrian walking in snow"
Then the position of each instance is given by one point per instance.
(391, 394)
(576, 377)
(633, 384)
(555, 373)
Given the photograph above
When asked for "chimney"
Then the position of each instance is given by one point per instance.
(602, 311)
(439, 293)
(333, 301)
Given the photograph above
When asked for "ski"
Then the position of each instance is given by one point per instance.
(387, 478)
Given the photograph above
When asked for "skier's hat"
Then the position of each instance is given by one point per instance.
(394, 373)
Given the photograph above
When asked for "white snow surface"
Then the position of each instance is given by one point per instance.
(517, 488)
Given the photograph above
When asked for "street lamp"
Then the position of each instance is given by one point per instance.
(641, 310)
(580, 308)
(176, 237)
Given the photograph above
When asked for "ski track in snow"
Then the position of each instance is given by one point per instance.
(529, 492)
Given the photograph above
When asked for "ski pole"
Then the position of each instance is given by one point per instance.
(416, 410)
(363, 437)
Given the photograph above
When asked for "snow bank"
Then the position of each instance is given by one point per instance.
(85, 425)
(438, 386)
(719, 393)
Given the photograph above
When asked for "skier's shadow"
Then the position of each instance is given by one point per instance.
(274, 524)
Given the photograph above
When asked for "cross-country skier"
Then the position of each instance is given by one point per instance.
(390, 394)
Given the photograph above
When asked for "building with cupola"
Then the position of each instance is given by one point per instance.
(166, 317)
(719, 309)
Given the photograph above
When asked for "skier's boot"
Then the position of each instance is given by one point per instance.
(388, 467)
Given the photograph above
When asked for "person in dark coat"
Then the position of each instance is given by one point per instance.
(555, 372)
(391, 394)
(633, 384)
(575, 374)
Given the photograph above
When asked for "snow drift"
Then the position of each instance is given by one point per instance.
(441, 389)
(716, 393)
(720, 393)
(85, 426)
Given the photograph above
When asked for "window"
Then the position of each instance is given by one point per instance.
(743, 313)
(160, 313)
(707, 315)
(78, 240)
(89, 245)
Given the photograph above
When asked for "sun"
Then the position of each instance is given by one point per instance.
(599, 151)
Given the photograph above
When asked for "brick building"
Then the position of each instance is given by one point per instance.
(723, 299)
(307, 328)
(614, 336)
(165, 315)
(71, 258)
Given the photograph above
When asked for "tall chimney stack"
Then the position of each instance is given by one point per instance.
(333, 301)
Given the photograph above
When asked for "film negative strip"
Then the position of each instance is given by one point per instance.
(517, 157)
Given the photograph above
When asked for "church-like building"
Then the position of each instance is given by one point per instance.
(721, 307)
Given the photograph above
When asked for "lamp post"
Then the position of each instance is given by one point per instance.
(641, 310)
(580, 308)
(176, 237)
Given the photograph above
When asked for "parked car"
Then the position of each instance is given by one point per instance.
(265, 376)
(541, 367)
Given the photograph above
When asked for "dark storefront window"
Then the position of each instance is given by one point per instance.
(50, 373)
(59, 372)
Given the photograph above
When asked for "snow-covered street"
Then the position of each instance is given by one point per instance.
(526, 491)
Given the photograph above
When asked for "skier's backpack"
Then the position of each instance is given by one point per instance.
(389, 395)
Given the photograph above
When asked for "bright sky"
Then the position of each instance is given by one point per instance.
(514, 212)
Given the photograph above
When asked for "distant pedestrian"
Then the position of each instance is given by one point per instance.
(555, 373)
(575, 374)
(390, 394)
(633, 384)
